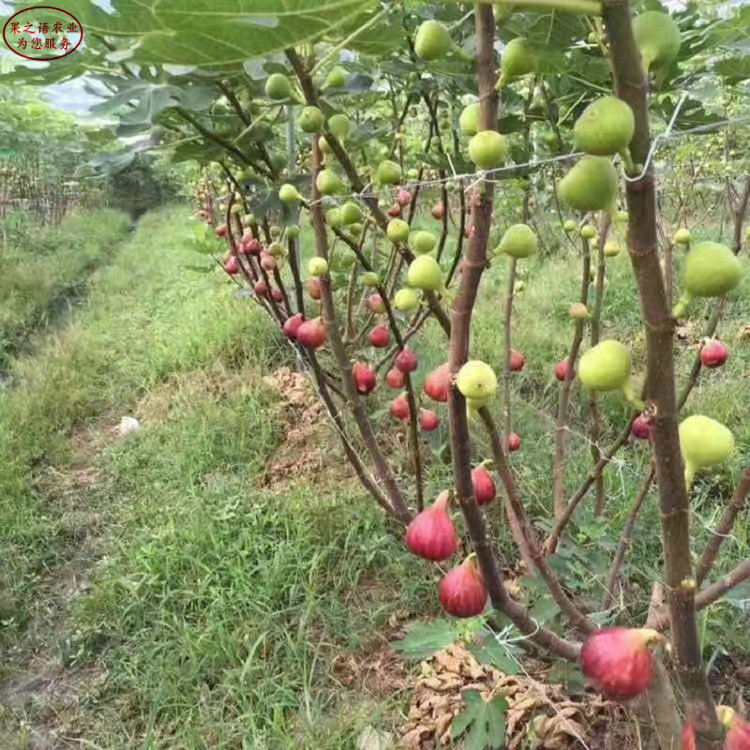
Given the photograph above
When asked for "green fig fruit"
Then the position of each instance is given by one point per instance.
(433, 41)
(424, 273)
(704, 442)
(605, 127)
(388, 173)
(369, 278)
(621, 217)
(311, 120)
(657, 37)
(468, 122)
(351, 213)
(519, 241)
(355, 229)
(612, 248)
(397, 231)
(588, 232)
(335, 79)
(422, 242)
(278, 87)
(325, 149)
(476, 380)
(413, 174)
(406, 300)
(276, 249)
(519, 59)
(275, 231)
(682, 236)
(339, 126)
(278, 161)
(606, 367)
(288, 194)
(487, 149)
(292, 232)
(328, 182)
(570, 225)
(317, 266)
(591, 185)
(334, 218)
(711, 270)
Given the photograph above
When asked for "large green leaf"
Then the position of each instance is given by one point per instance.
(425, 638)
(482, 722)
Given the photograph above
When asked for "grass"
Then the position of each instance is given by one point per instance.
(216, 611)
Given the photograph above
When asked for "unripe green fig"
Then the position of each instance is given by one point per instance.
(424, 273)
(704, 442)
(388, 173)
(275, 231)
(325, 149)
(468, 122)
(276, 249)
(612, 248)
(335, 79)
(406, 300)
(369, 278)
(351, 213)
(711, 270)
(606, 367)
(328, 182)
(588, 232)
(657, 37)
(334, 218)
(519, 241)
(339, 126)
(288, 194)
(487, 149)
(278, 161)
(591, 185)
(278, 87)
(518, 60)
(621, 217)
(682, 236)
(311, 120)
(422, 242)
(292, 232)
(432, 41)
(413, 174)
(476, 380)
(594, 242)
(570, 225)
(355, 229)
(605, 127)
(317, 266)
(397, 231)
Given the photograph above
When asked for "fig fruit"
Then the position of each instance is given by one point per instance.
(606, 367)
(487, 149)
(375, 303)
(400, 407)
(563, 371)
(570, 225)
(484, 485)
(431, 534)
(317, 266)
(422, 242)
(590, 185)
(657, 36)
(278, 87)
(704, 442)
(369, 279)
(517, 360)
(682, 236)
(578, 311)
(406, 360)
(334, 218)
(687, 738)
(312, 333)
(403, 197)
(406, 300)
(519, 241)
(711, 270)
(428, 420)
(311, 120)
(714, 354)
(641, 427)
(395, 210)
(462, 590)
(276, 249)
(476, 380)
(433, 41)
(437, 384)
(288, 194)
(291, 326)
(438, 211)
(612, 248)
(328, 182)
(232, 266)
(364, 377)
(351, 213)
(513, 442)
(588, 232)
(339, 126)
(388, 173)
(618, 661)
(260, 288)
(605, 127)
(335, 79)
(468, 122)
(424, 273)
(313, 288)
(324, 146)
(518, 60)
(395, 379)
(738, 730)
(397, 231)
(379, 337)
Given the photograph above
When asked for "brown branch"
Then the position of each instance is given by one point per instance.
(739, 216)
(461, 232)
(507, 343)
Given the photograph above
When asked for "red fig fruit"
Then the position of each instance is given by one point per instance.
(437, 384)
(462, 590)
(403, 198)
(268, 262)
(642, 427)
(379, 337)
(438, 211)
(364, 377)
(406, 360)
(738, 730)
(232, 266)
(400, 408)
(432, 534)
(291, 326)
(394, 210)
(514, 442)
(260, 288)
(312, 333)
(618, 660)
(714, 354)
(484, 485)
(375, 303)
(253, 247)
(313, 288)
(276, 295)
(517, 360)
(221, 230)
(429, 420)
(563, 371)
(395, 378)
(687, 738)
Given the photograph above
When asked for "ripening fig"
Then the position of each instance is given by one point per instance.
(487, 149)
(476, 380)
(276, 295)
(221, 230)
(422, 242)
(395, 378)
(682, 236)
(313, 288)
(462, 590)
(484, 485)
(268, 262)
(364, 377)
(395, 211)
(232, 266)
(375, 303)
(291, 326)
(517, 360)
(335, 79)
(605, 127)
(563, 371)
(642, 427)
(588, 232)
(406, 300)
(437, 384)
(388, 173)
(328, 182)
(278, 87)
(431, 534)
(657, 36)
(687, 738)
(714, 354)
(570, 225)
(403, 197)
(339, 126)
(606, 367)
(370, 279)
(260, 288)
(738, 730)
(518, 60)
(351, 213)
(432, 41)
(400, 408)
(379, 337)
(618, 660)
(397, 231)
(468, 122)
(406, 360)
(276, 250)
(612, 248)
(312, 333)
(513, 442)
(438, 211)
(424, 273)
(578, 311)
(711, 270)
(519, 241)
(590, 185)
(428, 420)
(704, 442)
(334, 218)
(317, 266)
(311, 120)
